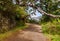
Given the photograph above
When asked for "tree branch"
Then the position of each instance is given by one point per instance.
(41, 11)
(44, 13)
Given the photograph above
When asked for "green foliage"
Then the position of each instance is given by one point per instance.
(50, 6)
(14, 13)
(53, 37)
(52, 27)
(8, 6)
(11, 32)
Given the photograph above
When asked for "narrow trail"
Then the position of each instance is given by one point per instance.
(32, 33)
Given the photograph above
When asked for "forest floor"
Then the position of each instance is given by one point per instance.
(32, 33)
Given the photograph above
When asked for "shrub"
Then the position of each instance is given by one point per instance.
(51, 27)
(10, 15)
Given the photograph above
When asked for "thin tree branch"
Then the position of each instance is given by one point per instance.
(41, 11)
(44, 13)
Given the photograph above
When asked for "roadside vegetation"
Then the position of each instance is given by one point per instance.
(52, 30)
(11, 32)
(14, 16)
(51, 25)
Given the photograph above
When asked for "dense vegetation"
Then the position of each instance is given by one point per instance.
(12, 15)
(50, 25)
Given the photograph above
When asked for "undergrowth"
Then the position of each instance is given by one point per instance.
(9, 33)
(52, 30)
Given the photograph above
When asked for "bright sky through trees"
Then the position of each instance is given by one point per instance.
(29, 8)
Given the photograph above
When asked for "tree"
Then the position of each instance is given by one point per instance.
(10, 15)
(17, 12)
(46, 3)
(50, 7)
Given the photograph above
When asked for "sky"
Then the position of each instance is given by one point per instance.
(37, 13)
(29, 12)
(34, 17)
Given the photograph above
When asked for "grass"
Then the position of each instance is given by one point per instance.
(9, 33)
(52, 30)
(53, 37)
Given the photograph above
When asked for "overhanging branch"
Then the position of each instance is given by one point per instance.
(41, 11)
(44, 13)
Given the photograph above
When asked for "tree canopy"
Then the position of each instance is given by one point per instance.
(15, 10)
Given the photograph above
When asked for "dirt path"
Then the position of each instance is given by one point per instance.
(32, 33)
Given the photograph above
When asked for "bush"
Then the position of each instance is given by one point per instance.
(10, 15)
(51, 27)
